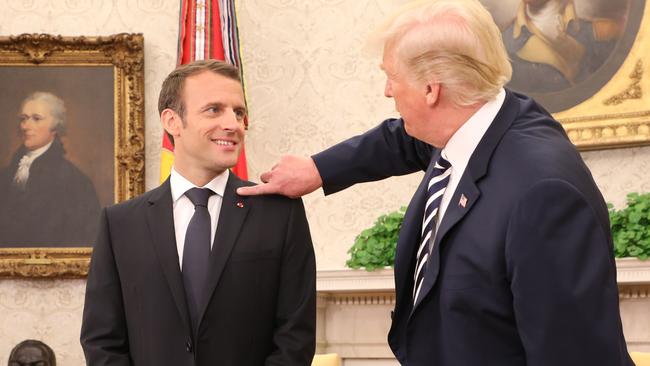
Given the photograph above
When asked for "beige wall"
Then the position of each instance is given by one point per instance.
(308, 87)
(51, 310)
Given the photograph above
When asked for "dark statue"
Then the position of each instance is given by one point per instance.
(32, 353)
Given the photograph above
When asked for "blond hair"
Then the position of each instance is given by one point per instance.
(452, 42)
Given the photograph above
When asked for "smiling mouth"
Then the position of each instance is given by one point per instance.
(224, 142)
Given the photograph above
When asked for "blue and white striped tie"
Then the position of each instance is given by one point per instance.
(437, 185)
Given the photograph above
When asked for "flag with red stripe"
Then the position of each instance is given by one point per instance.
(207, 30)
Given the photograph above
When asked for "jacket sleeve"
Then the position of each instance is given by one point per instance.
(104, 337)
(382, 152)
(563, 279)
(294, 336)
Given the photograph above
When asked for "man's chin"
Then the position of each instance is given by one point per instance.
(223, 166)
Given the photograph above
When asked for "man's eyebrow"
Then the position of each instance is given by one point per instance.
(211, 105)
(222, 105)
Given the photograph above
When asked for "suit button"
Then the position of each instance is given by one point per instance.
(188, 346)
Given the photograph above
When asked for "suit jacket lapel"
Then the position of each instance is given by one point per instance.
(160, 219)
(234, 209)
(467, 190)
(454, 213)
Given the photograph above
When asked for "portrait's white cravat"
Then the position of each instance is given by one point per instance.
(22, 173)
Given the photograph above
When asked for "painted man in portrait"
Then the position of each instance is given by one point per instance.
(46, 200)
(552, 48)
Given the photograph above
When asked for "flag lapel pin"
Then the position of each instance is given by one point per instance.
(463, 201)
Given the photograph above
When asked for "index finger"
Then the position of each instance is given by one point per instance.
(263, 188)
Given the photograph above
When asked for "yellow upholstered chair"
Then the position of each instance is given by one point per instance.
(329, 359)
(640, 358)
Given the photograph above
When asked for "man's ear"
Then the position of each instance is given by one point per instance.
(432, 93)
(171, 122)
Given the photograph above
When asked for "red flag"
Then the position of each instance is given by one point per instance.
(207, 30)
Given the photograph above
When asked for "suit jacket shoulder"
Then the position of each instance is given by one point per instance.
(533, 147)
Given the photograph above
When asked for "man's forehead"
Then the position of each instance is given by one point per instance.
(40, 105)
(211, 89)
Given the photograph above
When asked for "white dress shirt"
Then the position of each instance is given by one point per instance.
(184, 208)
(461, 146)
(22, 173)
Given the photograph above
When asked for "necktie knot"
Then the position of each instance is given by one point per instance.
(442, 164)
(199, 196)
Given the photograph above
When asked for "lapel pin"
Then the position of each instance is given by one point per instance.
(463, 201)
(240, 204)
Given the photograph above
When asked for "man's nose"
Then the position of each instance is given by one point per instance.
(388, 92)
(230, 121)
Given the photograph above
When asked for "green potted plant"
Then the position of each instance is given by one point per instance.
(374, 248)
(631, 227)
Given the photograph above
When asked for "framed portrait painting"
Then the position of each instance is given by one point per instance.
(583, 60)
(71, 141)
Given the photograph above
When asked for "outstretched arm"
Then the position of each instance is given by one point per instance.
(384, 151)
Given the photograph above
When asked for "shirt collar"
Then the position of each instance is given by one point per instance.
(32, 155)
(522, 20)
(462, 144)
(180, 185)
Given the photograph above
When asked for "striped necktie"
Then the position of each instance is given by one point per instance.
(436, 189)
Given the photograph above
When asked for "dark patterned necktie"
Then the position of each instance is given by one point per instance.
(196, 253)
(436, 189)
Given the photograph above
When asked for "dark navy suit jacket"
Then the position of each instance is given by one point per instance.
(523, 273)
(261, 290)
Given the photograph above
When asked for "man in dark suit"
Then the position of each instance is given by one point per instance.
(504, 257)
(190, 273)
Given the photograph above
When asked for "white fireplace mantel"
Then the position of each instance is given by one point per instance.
(630, 271)
(354, 311)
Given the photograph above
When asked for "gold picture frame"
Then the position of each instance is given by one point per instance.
(607, 106)
(118, 60)
(618, 115)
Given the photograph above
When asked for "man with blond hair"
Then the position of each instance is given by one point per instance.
(504, 257)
